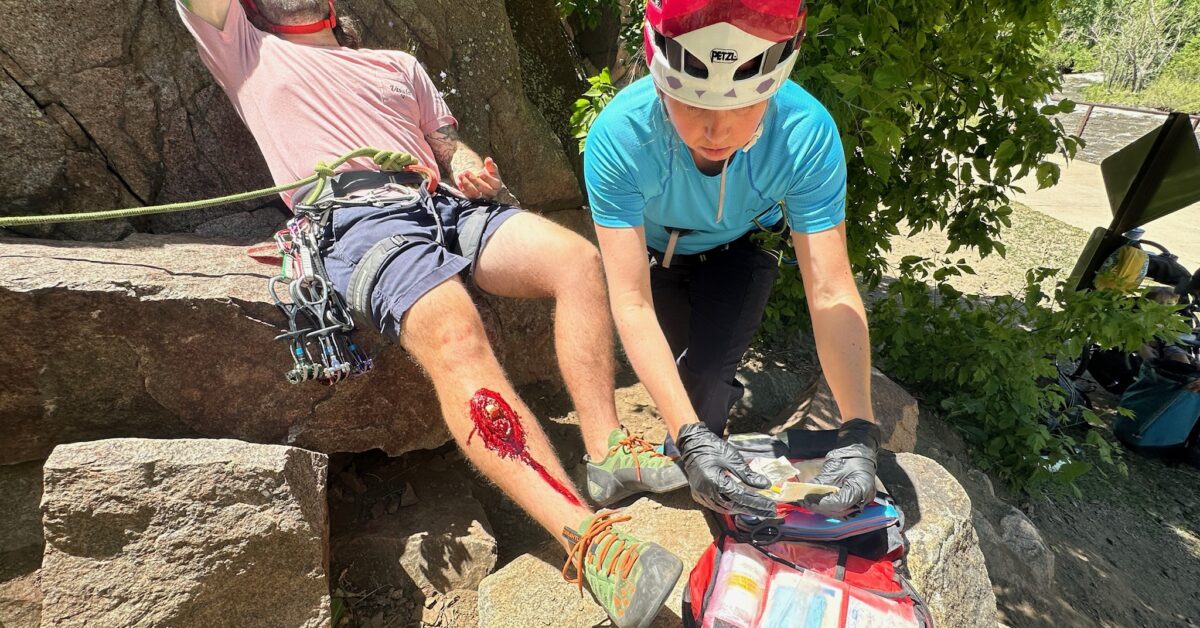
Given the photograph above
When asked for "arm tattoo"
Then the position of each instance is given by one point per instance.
(444, 143)
(453, 156)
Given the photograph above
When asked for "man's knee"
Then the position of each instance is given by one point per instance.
(444, 329)
(453, 342)
(579, 263)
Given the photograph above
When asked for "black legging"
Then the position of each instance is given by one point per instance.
(709, 311)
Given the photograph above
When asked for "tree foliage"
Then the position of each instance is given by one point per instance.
(1131, 41)
(583, 113)
(941, 107)
(1137, 41)
(589, 12)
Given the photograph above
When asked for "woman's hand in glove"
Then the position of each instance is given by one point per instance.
(851, 468)
(713, 468)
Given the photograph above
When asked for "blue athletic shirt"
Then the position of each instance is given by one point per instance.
(639, 172)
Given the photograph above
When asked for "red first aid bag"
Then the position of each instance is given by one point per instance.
(791, 584)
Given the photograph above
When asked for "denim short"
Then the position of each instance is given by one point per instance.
(435, 223)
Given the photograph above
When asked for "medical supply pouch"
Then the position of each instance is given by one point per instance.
(800, 524)
(872, 533)
(797, 585)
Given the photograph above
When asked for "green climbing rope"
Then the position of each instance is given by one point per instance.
(388, 160)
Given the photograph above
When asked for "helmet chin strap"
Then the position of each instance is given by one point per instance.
(753, 138)
(297, 29)
(725, 166)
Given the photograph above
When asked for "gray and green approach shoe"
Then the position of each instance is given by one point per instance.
(633, 465)
(630, 579)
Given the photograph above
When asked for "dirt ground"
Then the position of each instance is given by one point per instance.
(1127, 553)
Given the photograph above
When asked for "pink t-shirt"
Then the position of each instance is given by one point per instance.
(305, 104)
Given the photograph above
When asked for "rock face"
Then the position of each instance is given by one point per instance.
(945, 563)
(21, 602)
(1018, 558)
(170, 336)
(896, 411)
(771, 397)
(184, 533)
(21, 526)
(119, 111)
(20, 544)
(552, 77)
(777, 398)
(530, 591)
(437, 540)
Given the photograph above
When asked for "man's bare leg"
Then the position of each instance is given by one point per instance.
(444, 333)
(503, 439)
(532, 257)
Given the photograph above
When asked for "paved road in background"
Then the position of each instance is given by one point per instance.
(1079, 198)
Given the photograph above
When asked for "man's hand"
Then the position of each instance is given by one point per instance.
(711, 465)
(483, 183)
(851, 468)
(474, 177)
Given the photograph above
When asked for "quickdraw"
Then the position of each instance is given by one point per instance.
(319, 321)
(775, 240)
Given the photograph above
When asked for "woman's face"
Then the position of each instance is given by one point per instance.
(713, 135)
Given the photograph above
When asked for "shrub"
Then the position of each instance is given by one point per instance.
(1072, 56)
(990, 362)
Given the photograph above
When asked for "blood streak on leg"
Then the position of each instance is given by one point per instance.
(501, 431)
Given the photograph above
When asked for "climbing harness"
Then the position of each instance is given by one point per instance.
(318, 321)
(773, 240)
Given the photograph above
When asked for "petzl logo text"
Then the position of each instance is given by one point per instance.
(724, 56)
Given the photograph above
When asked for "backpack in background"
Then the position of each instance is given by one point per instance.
(1166, 413)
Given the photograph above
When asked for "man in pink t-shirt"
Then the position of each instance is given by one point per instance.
(307, 98)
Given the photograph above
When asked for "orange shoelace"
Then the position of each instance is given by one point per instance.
(637, 445)
(600, 533)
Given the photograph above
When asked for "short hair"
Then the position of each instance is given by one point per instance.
(285, 12)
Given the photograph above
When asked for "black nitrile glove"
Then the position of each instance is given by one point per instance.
(713, 467)
(851, 468)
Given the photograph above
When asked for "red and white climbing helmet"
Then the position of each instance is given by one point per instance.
(723, 54)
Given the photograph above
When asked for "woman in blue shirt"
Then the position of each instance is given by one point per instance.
(686, 165)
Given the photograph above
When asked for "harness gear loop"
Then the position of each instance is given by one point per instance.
(366, 273)
(470, 233)
(670, 252)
